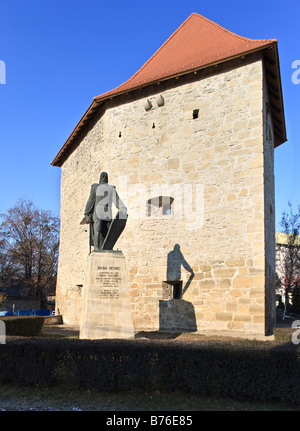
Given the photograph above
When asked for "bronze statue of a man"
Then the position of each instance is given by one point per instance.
(98, 211)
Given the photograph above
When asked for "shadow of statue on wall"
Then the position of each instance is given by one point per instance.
(176, 314)
(175, 261)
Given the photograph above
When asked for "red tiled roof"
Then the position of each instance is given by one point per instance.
(198, 42)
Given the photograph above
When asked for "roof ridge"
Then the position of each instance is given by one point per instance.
(152, 56)
(231, 32)
(164, 44)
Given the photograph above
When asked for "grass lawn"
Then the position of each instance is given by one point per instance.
(17, 398)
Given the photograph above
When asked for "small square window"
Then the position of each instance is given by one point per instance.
(176, 286)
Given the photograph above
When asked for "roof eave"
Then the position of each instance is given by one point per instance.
(111, 94)
(81, 123)
(272, 70)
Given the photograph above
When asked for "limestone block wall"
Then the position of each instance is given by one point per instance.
(206, 149)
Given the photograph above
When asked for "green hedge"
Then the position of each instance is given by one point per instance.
(27, 326)
(241, 369)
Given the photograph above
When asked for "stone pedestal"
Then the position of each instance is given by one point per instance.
(106, 309)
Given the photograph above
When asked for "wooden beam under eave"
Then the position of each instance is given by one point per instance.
(273, 106)
(273, 95)
(270, 74)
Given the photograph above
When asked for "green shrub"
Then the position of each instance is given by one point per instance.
(26, 326)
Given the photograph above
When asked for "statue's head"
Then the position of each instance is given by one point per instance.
(103, 178)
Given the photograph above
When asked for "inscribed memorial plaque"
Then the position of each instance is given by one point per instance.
(106, 308)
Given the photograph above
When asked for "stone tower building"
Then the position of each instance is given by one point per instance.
(188, 142)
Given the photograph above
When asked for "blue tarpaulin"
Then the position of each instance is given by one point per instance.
(26, 313)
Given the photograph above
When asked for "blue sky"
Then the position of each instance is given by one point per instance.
(59, 54)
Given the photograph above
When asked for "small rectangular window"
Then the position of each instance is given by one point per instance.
(195, 113)
(166, 209)
(177, 290)
(159, 205)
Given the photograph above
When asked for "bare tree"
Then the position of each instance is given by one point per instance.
(2, 298)
(5, 264)
(288, 254)
(30, 239)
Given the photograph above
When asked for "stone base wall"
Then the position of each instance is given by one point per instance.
(204, 148)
